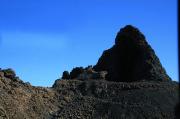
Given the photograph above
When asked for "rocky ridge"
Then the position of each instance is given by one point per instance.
(128, 82)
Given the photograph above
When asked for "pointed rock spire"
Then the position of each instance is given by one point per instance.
(131, 59)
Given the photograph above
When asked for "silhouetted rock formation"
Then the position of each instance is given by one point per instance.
(66, 75)
(131, 59)
(87, 73)
(76, 72)
(130, 66)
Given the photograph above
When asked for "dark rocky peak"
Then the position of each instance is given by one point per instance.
(131, 59)
(129, 33)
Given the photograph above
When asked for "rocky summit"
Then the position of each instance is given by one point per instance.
(128, 82)
(131, 59)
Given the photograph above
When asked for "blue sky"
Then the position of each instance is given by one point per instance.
(40, 39)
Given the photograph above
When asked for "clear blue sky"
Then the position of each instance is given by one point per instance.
(40, 39)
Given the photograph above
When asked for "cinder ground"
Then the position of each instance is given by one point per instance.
(90, 99)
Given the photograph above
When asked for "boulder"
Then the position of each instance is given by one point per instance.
(76, 72)
(9, 73)
(66, 75)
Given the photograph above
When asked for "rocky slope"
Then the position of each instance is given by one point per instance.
(128, 82)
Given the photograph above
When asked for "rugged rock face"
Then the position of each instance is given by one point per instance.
(136, 87)
(131, 59)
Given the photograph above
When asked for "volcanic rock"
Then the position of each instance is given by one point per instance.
(136, 87)
(89, 73)
(76, 72)
(9, 73)
(88, 99)
(66, 75)
(131, 59)
(86, 75)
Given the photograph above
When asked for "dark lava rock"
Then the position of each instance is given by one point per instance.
(136, 88)
(66, 75)
(76, 72)
(88, 99)
(86, 75)
(9, 73)
(101, 99)
(131, 59)
(89, 74)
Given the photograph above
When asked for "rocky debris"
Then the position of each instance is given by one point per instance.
(95, 99)
(8, 73)
(88, 99)
(87, 73)
(102, 74)
(20, 100)
(3, 114)
(1, 74)
(131, 59)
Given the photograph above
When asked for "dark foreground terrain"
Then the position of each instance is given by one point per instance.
(128, 82)
(91, 99)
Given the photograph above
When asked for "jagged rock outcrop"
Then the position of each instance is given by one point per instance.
(136, 87)
(87, 73)
(66, 75)
(76, 72)
(131, 59)
(9, 73)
